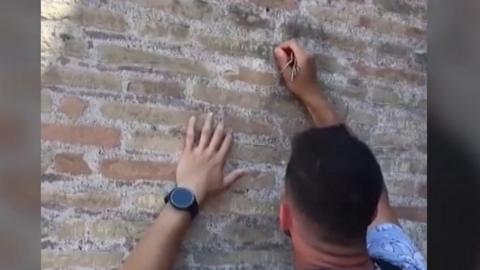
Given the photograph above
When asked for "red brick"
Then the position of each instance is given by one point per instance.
(73, 107)
(133, 170)
(418, 214)
(80, 134)
(390, 74)
(250, 76)
(71, 163)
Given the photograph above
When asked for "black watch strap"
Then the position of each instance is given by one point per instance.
(192, 209)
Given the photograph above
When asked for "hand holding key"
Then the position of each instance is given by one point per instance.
(297, 67)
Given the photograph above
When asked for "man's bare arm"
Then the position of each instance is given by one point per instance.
(200, 170)
(306, 87)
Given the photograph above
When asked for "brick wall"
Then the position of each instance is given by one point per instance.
(120, 78)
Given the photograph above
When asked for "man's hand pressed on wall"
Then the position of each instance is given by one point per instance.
(200, 170)
(201, 165)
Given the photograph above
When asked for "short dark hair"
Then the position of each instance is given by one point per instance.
(335, 180)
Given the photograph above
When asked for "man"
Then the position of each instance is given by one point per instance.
(335, 206)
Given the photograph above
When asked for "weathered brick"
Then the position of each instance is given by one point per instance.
(46, 103)
(345, 43)
(111, 229)
(349, 91)
(150, 201)
(254, 181)
(280, 4)
(385, 26)
(301, 27)
(95, 200)
(246, 17)
(275, 104)
(251, 257)
(81, 78)
(285, 106)
(116, 55)
(394, 50)
(74, 46)
(411, 213)
(99, 18)
(329, 64)
(237, 48)
(197, 9)
(155, 141)
(73, 107)
(322, 15)
(398, 6)
(178, 32)
(250, 76)
(235, 203)
(251, 231)
(135, 170)
(248, 126)
(391, 74)
(259, 153)
(73, 164)
(226, 97)
(80, 134)
(74, 259)
(401, 187)
(92, 34)
(71, 230)
(161, 88)
(361, 116)
(384, 96)
(55, 11)
(146, 114)
(391, 140)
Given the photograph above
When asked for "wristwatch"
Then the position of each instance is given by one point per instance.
(183, 199)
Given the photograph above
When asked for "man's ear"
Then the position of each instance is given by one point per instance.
(285, 216)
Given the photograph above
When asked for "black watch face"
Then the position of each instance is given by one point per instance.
(181, 197)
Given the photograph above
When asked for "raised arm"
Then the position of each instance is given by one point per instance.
(306, 87)
(199, 170)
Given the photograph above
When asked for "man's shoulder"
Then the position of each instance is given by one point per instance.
(389, 244)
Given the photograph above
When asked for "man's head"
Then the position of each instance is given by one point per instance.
(333, 184)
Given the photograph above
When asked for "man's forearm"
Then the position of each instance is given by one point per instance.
(322, 112)
(160, 245)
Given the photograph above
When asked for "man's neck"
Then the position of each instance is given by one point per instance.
(323, 255)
